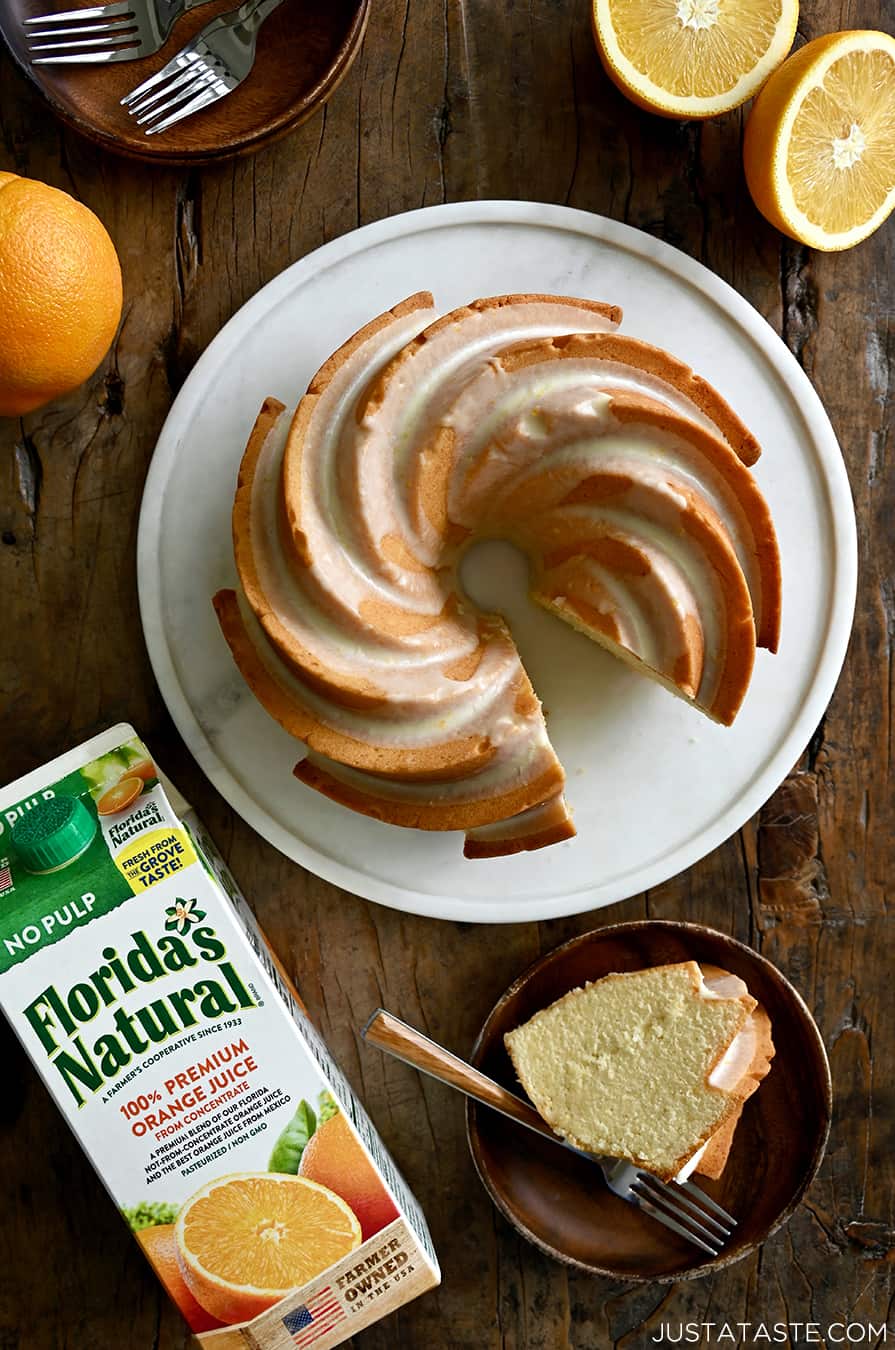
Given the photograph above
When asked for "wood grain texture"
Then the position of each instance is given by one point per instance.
(451, 99)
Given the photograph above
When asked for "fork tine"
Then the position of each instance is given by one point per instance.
(669, 1222)
(87, 58)
(676, 1200)
(707, 1201)
(186, 76)
(659, 1197)
(114, 41)
(186, 90)
(704, 1216)
(170, 68)
(118, 26)
(79, 15)
(203, 100)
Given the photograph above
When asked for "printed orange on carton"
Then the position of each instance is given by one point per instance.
(172, 1042)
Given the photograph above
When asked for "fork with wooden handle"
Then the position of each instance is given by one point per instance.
(680, 1206)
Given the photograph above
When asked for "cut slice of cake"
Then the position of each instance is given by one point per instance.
(652, 1066)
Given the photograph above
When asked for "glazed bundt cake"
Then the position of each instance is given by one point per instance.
(621, 474)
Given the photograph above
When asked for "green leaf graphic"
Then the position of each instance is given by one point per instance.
(291, 1144)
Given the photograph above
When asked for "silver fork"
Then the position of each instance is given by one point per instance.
(680, 1206)
(123, 31)
(207, 69)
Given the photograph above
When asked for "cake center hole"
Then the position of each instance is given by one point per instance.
(494, 574)
(574, 678)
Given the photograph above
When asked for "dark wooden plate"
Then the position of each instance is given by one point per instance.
(304, 51)
(558, 1201)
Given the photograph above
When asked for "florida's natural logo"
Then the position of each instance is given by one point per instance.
(58, 1019)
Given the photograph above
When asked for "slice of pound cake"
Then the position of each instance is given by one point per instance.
(653, 1066)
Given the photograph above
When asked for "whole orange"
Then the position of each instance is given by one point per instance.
(159, 1245)
(60, 293)
(334, 1158)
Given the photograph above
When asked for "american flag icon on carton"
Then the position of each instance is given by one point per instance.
(310, 1320)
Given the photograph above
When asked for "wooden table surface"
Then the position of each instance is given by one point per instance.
(453, 99)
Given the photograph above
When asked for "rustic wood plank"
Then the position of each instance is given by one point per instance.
(449, 101)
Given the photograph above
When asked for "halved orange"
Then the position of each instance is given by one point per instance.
(819, 150)
(692, 58)
(159, 1245)
(245, 1241)
(120, 796)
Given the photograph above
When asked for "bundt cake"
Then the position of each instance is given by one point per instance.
(653, 1066)
(621, 474)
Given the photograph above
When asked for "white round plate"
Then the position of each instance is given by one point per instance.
(653, 785)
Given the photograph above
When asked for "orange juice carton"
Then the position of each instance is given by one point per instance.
(138, 981)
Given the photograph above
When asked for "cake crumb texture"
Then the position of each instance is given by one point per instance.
(621, 1067)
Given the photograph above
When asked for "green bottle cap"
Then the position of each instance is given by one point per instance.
(53, 834)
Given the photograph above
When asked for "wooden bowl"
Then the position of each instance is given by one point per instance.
(559, 1202)
(304, 52)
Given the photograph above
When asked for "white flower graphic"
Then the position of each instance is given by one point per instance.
(182, 914)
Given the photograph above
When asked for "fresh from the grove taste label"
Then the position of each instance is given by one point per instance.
(135, 975)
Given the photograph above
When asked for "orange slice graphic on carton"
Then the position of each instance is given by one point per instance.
(161, 1248)
(245, 1241)
(124, 793)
